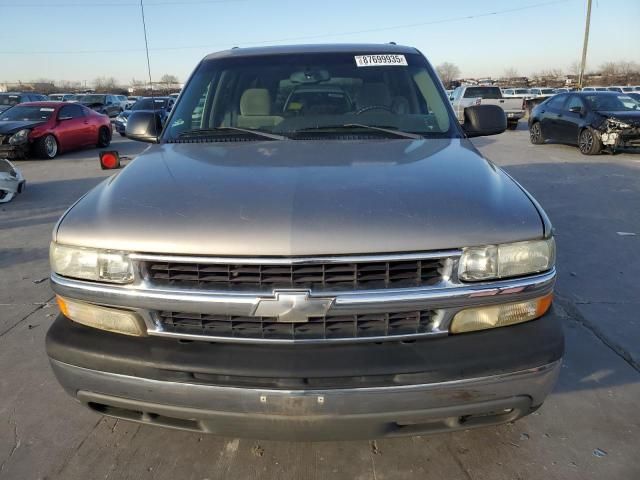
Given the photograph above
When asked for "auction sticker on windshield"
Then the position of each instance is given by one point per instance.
(380, 60)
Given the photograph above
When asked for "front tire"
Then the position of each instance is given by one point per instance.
(46, 147)
(589, 143)
(535, 134)
(104, 137)
(512, 125)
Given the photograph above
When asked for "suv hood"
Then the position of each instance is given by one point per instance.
(13, 126)
(303, 198)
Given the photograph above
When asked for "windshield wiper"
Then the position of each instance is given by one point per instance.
(391, 131)
(206, 131)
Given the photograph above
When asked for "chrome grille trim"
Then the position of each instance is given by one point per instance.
(327, 328)
(392, 257)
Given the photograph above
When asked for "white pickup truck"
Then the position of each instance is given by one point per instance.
(467, 96)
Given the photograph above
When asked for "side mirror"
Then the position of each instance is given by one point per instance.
(576, 109)
(144, 126)
(481, 120)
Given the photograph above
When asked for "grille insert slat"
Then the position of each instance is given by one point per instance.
(317, 328)
(318, 276)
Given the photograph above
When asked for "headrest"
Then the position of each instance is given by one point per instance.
(255, 101)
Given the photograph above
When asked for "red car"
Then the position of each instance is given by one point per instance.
(44, 129)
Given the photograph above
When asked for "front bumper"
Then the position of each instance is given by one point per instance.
(356, 413)
(15, 152)
(311, 392)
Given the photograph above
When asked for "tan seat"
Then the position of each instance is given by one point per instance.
(255, 109)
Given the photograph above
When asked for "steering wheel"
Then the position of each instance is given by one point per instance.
(373, 107)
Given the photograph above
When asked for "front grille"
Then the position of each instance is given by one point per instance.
(318, 276)
(333, 327)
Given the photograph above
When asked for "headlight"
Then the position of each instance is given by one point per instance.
(613, 122)
(506, 260)
(88, 264)
(121, 119)
(20, 137)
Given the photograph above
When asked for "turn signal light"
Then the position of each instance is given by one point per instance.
(103, 318)
(494, 316)
(109, 160)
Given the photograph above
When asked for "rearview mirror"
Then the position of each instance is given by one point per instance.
(144, 126)
(481, 120)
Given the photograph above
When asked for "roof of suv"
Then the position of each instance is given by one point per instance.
(321, 48)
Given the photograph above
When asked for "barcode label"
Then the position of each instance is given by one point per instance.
(380, 60)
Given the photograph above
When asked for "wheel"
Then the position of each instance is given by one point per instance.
(46, 147)
(589, 143)
(104, 137)
(512, 125)
(122, 134)
(535, 134)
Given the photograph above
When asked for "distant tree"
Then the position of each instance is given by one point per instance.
(169, 80)
(510, 73)
(105, 84)
(574, 68)
(628, 70)
(448, 72)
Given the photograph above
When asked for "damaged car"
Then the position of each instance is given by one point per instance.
(594, 121)
(44, 129)
(11, 181)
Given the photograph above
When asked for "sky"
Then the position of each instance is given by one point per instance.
(83, 39)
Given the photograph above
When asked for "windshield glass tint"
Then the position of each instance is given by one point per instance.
(93, 99)
(482, 92)
(27, 114)
(9, 99)
(148, 104)
(613, 103)
(287, 93)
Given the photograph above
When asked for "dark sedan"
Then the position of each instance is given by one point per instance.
(108, 105)
(162, 105)
(594, 121)
(8, 100)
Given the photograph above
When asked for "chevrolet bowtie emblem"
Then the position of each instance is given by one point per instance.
(293, 307)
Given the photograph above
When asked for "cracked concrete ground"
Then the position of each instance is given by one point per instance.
(587, 429)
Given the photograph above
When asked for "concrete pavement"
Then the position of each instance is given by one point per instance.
(587, 429)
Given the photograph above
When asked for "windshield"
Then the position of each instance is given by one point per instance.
(92, 99)
(148, 104)
(9, 99)
(24, 113)
(285, 94)
(522, 91)
(612, 103)
(545, 91)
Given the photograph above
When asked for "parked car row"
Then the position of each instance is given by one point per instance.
(161, 105)
(466, 96)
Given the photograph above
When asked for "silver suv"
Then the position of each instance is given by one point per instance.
(311, 248)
